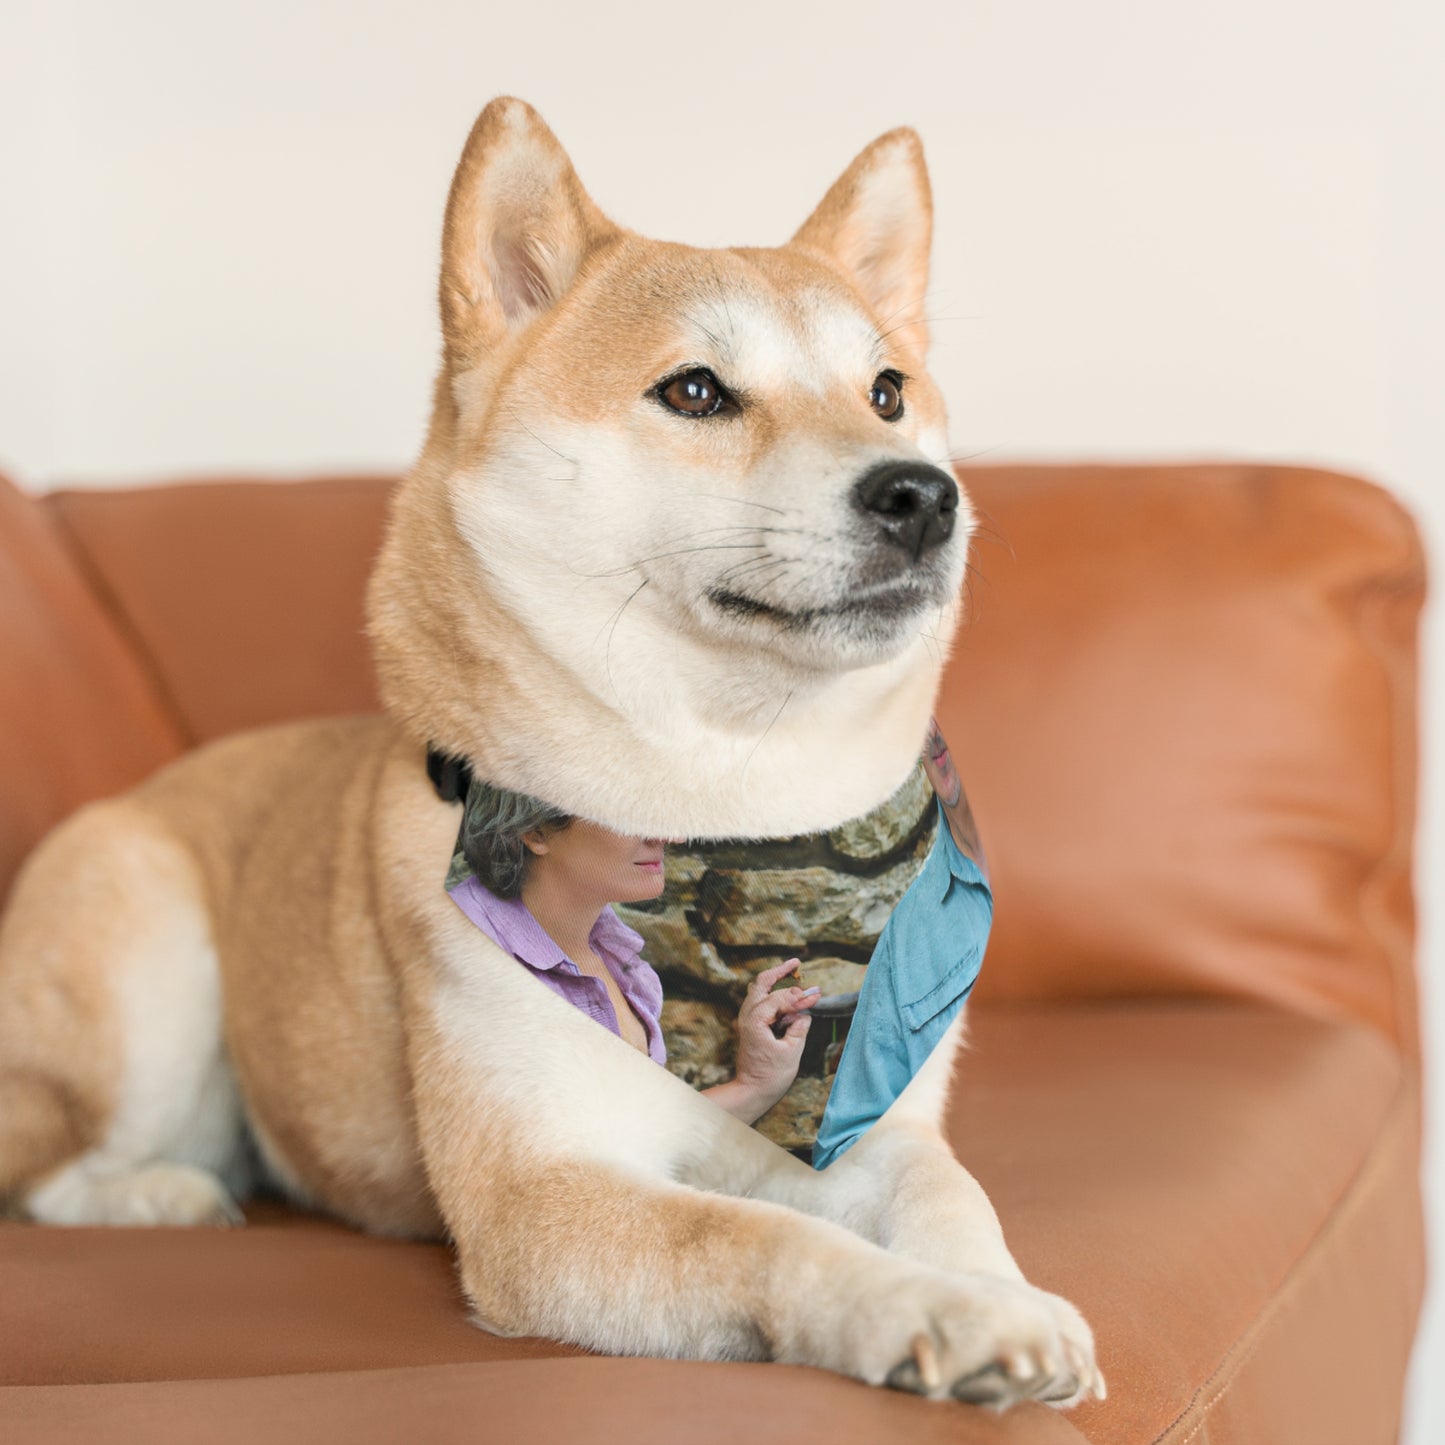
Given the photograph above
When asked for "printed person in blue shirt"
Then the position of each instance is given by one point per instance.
(922, 970)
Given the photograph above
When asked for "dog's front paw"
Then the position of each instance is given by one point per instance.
(981, 1339)
(1078, 1342)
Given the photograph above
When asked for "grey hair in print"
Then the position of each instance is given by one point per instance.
(491, 837)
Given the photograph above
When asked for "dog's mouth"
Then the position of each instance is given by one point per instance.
(892, 602)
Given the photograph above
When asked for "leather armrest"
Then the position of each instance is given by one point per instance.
(1184, 709)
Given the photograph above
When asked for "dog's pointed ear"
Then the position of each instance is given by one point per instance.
(518, 228)
(877, 223)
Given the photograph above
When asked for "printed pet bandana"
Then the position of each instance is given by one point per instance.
(887, 894)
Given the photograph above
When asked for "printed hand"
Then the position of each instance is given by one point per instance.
(767, 1061)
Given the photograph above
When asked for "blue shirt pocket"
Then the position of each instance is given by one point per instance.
(927, 1014)
(922, 1010)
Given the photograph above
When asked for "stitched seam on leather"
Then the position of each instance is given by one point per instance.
(125, 624)
(1402, 684)
(1240, 1353)
(1404, 581)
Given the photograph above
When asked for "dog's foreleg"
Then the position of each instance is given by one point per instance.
(901, 1188)
(922, 1202)
(558, 1156)
(614, 1259)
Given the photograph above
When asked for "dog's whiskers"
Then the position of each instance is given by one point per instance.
(926, 636)
(683, 551)
(930, 320)
(571, 461)
(728, 572)
(753, 562)
(766, 731)
(607, 653)
(986, 529)
(742, 502)
(680, 552)
(969, 575)
(702, 596)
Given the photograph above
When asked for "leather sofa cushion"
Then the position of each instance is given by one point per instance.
(246, 596)
(1184, 711)
(1194, 1176)
(79, 716)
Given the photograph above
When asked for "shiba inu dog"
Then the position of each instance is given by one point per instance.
(677, 556)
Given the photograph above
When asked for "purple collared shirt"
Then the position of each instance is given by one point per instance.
(510, 924)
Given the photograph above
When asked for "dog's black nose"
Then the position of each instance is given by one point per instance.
(915, 504)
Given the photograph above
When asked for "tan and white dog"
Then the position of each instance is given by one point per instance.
(677, 558)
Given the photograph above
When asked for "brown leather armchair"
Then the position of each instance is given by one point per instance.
(1184, 707)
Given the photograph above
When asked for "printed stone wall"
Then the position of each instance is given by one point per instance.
(730, 909)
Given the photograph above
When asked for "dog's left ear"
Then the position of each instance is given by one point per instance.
(877, 223)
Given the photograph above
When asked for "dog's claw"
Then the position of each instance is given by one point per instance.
(1084, 1378)
(926, 1357)
(1019, 1363)
(919, 1373)
(227, 1214)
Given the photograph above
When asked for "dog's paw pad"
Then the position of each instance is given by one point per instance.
(1061, 1391)
(988, 1386)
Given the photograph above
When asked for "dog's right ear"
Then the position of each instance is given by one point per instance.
(518, 227)
(877, 223)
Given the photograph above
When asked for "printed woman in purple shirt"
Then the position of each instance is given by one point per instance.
(541, 883)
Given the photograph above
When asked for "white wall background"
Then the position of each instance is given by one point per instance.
(1164, 230)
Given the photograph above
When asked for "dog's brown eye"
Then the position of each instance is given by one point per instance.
(694, 393)
(886, 397)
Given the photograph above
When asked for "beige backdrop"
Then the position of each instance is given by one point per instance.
(1164, 229)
